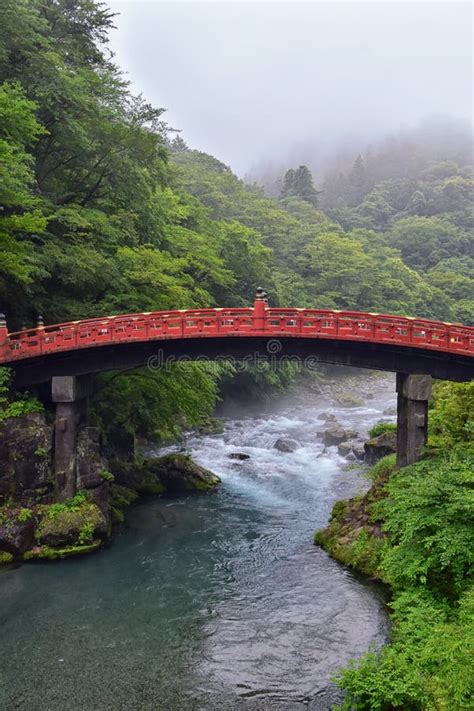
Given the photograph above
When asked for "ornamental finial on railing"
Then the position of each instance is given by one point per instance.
(260, 294)
(3, 321)
(39, 321)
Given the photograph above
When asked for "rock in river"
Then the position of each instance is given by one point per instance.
(286, 445)
(171, 474)
(351, 450)
(326, 417)
(336, 435)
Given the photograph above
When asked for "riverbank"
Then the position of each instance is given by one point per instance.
(413, 530)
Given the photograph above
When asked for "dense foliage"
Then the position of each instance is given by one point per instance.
(15, 405)
(427, 557)
(321, 260)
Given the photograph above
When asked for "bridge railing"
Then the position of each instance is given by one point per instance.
(276, 322)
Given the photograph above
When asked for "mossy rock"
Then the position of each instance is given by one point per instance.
(180, 474)
(150, 486)
(117, 517)
(121, 496)
(5, 558)
(61, 526)
(172, 474)
(48, 553)
(17, 528)
(352, 536)
(381, 446)
(349, 400)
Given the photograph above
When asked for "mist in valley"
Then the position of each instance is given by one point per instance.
(268, 85)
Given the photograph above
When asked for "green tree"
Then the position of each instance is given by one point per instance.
(299, 183)
(425, 241)
(19, 216)
(358, 182)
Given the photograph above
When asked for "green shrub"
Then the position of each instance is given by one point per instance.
(381, 427)
(382, 468)
(429, 519)
(106, 475)
(5, 558)
(86, 534)
(73, 504)
(23, 404)
(427, 665)
(24, 515)
(451, 417)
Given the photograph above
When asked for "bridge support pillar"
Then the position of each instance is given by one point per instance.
(70, 394)
(414, 392)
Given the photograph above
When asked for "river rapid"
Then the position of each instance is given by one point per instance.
(211, 602)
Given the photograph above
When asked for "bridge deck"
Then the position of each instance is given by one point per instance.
(246, 322)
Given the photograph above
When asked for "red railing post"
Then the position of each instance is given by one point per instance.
(259, 310)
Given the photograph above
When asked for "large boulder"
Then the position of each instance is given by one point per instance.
(380, 446)
(286, 445)
(64, 525)
(25, 456)
(171, 474)
(16, 536)
(179, 474)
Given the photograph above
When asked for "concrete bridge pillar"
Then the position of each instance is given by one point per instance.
(70, 394)
(414, 392)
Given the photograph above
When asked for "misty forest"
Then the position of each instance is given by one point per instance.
(257, 544)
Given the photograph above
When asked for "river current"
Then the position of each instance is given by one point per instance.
(209, 602)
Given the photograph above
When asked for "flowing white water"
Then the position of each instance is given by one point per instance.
(209, 602)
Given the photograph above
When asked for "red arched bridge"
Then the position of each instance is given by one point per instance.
(385, 342)
(416, 349)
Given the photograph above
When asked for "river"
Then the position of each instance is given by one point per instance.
(209, 602)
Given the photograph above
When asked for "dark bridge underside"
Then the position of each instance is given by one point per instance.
(401, 359)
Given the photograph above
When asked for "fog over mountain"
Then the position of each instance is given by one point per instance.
(260, 84)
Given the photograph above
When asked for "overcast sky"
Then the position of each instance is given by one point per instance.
(247, 81)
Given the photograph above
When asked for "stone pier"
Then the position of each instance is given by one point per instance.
(70, 394)
(414, 392)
